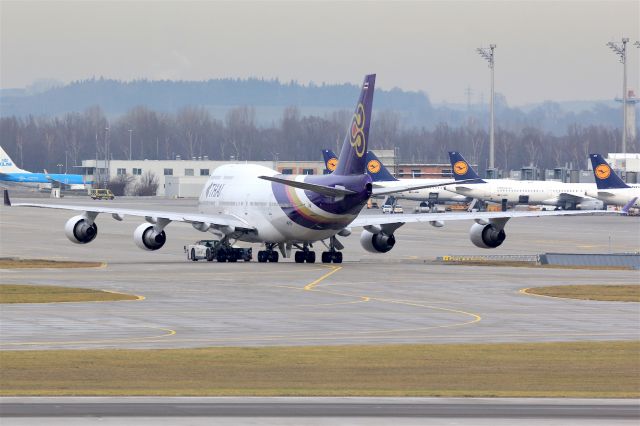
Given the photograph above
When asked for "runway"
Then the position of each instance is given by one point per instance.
(615, 410)
(398, 297)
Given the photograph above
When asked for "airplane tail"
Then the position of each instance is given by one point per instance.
(7, 165)
(461, 169)
(606, 178)
(330, 159)
(377, 170)
(352, 156)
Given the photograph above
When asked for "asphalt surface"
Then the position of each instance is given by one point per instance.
(443, 408)
(398, 297)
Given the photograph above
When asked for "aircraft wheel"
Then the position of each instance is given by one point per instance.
(326, 257)
(273, 256)
(299, 257)
(311, 257)
(262, 256)
(337, 257)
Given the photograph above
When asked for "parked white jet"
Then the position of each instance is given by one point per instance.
(256, 204)
(531, 192)
(612, 189)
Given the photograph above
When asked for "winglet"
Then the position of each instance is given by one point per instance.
(7, 200)
(625, 209)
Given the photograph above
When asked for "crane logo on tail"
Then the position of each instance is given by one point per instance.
(357, 133)
(374, 166)
(603, 171)
(332, 163)
(460, 168)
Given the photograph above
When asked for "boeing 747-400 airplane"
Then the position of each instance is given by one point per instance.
(255, 204)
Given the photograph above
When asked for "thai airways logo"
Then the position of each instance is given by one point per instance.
(460, 168)
(357, 131)
(374, 166)
(5, 162)
(603, 171)
(332, 164)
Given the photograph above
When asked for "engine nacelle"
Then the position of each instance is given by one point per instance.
(486, 236)
(78, 230)
(147, 238)
(377, 243)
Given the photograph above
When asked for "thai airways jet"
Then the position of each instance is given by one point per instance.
(10, 174)
(380, 176)
(244, 202)
(612, 189)
(532, 192)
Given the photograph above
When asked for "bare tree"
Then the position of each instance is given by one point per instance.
(148, 185)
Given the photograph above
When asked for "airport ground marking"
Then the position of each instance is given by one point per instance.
(168, 332)
(312, 284)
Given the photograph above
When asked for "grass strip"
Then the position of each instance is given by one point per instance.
(18, 293)
(15, 263)
(584, 369)
(608, 293)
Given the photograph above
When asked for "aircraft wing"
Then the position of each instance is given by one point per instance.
(385, 219)
(151, 215)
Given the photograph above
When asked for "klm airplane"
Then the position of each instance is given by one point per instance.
(11, 175)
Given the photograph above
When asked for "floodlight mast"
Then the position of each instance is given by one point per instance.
(620, 49)
(488, 55)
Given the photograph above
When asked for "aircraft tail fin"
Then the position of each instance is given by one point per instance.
(461, 169)
(7, 165)
(606, 177)
(377, 171)
(330, 159)
(352, 156)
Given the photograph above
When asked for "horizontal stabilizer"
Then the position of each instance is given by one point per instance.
(382, 190)
(320, 189)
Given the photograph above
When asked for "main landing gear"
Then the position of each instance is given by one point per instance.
(268, 255)
(305, 255)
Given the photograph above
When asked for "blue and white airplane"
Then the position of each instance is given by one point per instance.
(11, 175)
(255, 204)
(612, 189)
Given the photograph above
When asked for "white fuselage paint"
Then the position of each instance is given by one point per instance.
(620, 196)
(538, 192)
(424, 194)
(236, 190)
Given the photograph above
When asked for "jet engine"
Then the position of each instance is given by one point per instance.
(486, 235)
(591, 205)
(377, 243)
(79, 231)
(147, 238)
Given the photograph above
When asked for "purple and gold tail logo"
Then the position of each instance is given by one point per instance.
(603, 171)
(357, 131)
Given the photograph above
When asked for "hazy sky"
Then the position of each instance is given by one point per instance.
(545, 50)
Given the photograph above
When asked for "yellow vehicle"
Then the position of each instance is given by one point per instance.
(101, 194)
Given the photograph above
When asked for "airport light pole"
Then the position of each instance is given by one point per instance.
(130, 132)
(106, 155)
(60, 168)
(488, 55)
(620, 49)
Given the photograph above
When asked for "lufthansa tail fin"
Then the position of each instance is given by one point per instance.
(377, 170)
(352, 156)
(606, 177)
(461, 169)
(330, 159)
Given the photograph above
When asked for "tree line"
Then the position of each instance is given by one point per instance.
(37, 143)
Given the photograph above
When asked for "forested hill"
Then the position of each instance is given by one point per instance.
(117, 97)
(269, 99)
